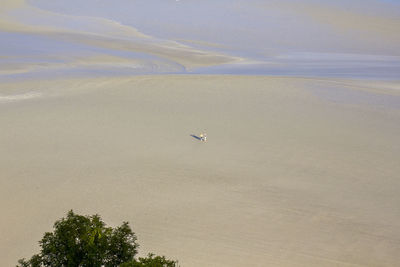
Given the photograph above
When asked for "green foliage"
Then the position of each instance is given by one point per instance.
(151, 261)
(85, 241)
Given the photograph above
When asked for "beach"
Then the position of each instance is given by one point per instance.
(291, 173)
(102, 106)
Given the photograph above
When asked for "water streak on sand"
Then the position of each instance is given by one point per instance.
(19, 97)
(274, 38)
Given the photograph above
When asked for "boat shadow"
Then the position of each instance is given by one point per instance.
(196, 137)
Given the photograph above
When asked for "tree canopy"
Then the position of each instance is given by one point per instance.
(86, 241)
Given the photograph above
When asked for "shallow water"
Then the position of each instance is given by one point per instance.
(285, 38)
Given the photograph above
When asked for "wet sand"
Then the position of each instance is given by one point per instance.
(293, 174)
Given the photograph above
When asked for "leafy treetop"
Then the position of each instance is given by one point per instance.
(85, 241)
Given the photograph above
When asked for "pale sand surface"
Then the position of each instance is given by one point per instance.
(292, 174)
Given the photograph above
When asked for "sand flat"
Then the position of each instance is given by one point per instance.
(290, 175)
(296, 171)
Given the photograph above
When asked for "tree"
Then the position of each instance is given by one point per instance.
(85, 241)
(151, 261)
